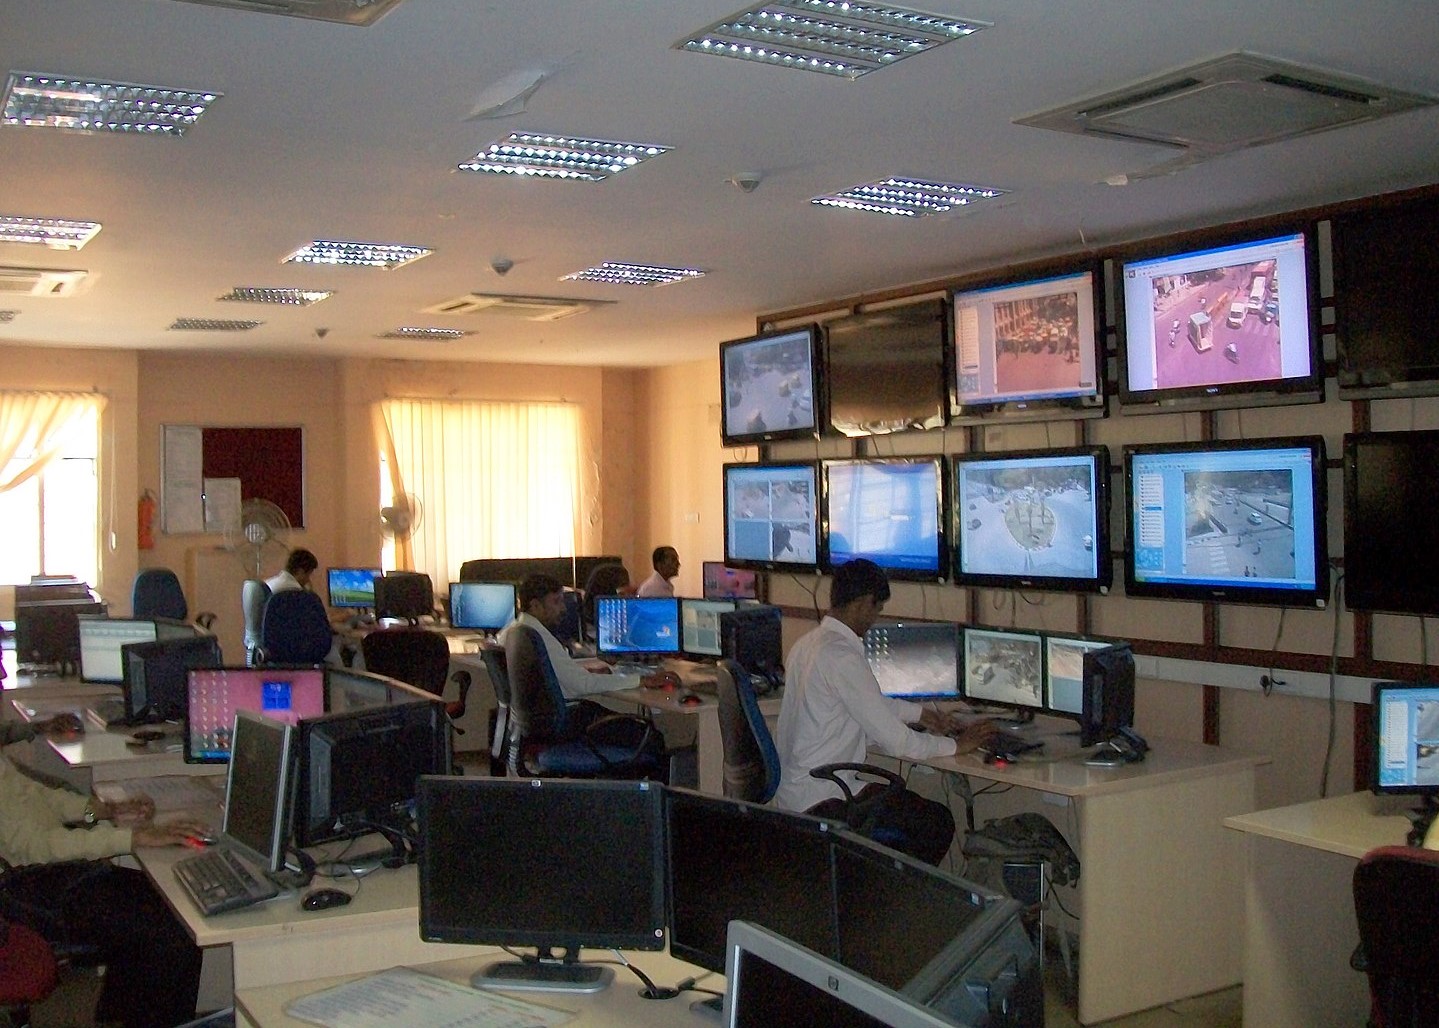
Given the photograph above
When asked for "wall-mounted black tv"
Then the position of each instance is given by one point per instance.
(1033, 519)
(771, 516)
(768, 387)
(888, 510)
(1390, 532)
(1233, 522)
(1386, 308)
(884, 369)
(1029, 347)
(1233, 323)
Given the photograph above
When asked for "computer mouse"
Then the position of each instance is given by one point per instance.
(324, 899)
(145, 736)
(689, 699)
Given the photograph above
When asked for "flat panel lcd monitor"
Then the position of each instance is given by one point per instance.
(1391, 491)
(700, 626)
(1029, 347)
(628, 625)
(217, 694)
(1231, 325)
(102, 637)
(352, 587)
(1033, 519)
(1064, 672)
(482, 606)
(1232, 522)
(767, 383)
(406, 595)
(157, 675)
(771, 516)
(1406, 738)
(884, 369)
(916, 660)
(257, 789)
(1385, 304)
(725, 583)
(1004, 668)
(888, 510)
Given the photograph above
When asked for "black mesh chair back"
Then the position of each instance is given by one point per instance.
(1396, 893)
(295, 629)
(416, 656)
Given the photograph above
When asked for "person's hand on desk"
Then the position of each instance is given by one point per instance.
(62, 725)
(967, 735)
(179, 832)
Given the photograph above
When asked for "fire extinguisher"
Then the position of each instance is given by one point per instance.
(145, 530)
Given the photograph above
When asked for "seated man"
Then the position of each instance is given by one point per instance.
(299, 566)
(833, 712)
(666, 563)
(62, 885)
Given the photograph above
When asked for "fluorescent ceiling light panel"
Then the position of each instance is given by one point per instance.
(414, 332)
(831, 37)
(365, 255)
(51, 232)
(281, 295)
(212, 325)
(83, 105)
(343, 12)
(562, 157)
(617, 274)
(907, 197)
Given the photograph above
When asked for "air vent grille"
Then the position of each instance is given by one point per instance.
(39, 282)
(345, 12)
(528, 308)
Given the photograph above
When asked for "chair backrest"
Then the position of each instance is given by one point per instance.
(1396, 892)
(493, 655)
(295, 628)
(156, 593)
(254, 594)
(751, 762)
(536, 703)
(417, 656)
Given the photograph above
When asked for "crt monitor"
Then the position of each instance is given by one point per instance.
(552, 864)
(48, 631)
(1005, 668)
(915, 660)
(771, 516)
(1064, 672)
(257, 789)
(637, 626)
(1405, 730)
(1232, 522)
(215, 695)
(157, 675)
(404, 595)
(726, 583)
(352, 588)
(1108, 700)
(888, 510)
(102, 637)
(700, 626)
(753, 638)
(1390, 533)
(884, 369)
(767, 386)
(1033, 519)
(482, 606)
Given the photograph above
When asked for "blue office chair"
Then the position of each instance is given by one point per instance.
(751, 762)
(295, 629)
(553, 737)
(503, 756)
(156, 593)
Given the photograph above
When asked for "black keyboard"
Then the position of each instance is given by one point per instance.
(217, 880)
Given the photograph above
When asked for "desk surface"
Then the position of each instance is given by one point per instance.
(1349, 825)
(105, 751)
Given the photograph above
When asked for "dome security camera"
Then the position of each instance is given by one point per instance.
(746, 181)
(501, 265)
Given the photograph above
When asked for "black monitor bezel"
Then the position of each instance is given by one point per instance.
(648, 601)
(1104, 713)
(941, 521)
(735, 437)
(273, 858)
(1359, 580)
(935, 310)
(757, 564)
(1377, 691)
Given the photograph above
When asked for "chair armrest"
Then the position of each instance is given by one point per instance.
(609, 719)
(830, 772)
(205, 619)
(456, 710)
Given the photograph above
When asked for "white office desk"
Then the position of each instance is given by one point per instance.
(1160, 899)
(1300, 924)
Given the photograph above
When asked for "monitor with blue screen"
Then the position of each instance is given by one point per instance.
(915, 660)
(632, 625)
(1406, 738)
(1004, 667)
(886, 510)
(482, 606)
(352, 587)
(1064, 672)
(700, 625)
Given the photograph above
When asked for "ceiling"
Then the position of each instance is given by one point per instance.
(330, 131)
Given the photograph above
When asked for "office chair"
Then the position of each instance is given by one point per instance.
(556, 738)
(1396, 892)
(156, 593)
(502, 754)
(604, 580)
(295, 629)
(418, 657)
(751, 762)
(254, 594)
(28, 972)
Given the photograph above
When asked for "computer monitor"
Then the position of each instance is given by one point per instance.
(101, 638)
(700, 626)
(768, 386)
(915, 660)
(357, 771)
(1405, 729)
(637, 626)
(482, 606)
(548, 863)
(157, 673)
(1064, 672)
(771, 516)
(1108, 694)
(352, 587)
(217, 694)
(888, 510)
(726, 583)
(257, 789)
(884, 369)
(1004, 668)
(404, 595)
(348, 689)
(753, 637)
(1390, 535)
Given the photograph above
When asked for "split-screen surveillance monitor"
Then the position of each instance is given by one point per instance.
(889, 511)
(768, 387)
(771, 516)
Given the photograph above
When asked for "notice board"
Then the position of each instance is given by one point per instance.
(268, 462)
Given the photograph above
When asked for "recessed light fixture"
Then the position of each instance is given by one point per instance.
(615, 273)
(907, 197)
(366, 255)
(51, 232)
(211, 325)
(563, 157)
(86, 105)
(414, 332)
(281, 295)
(832, 37)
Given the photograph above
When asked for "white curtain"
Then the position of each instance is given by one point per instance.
(33, 427)
(493, 479)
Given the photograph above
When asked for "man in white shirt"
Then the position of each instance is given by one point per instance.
(299, 566)
(542, 605)
(666, 563)
(833, 711)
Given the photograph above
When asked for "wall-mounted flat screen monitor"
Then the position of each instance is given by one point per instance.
(884, 369)
(888, 510)
(724, 583)
(217, 694)
(1233, 324)
(700, 626)
(914, 660)
(482, 606)
(352, 588)
(1064, 672)
(1405, 730)
(1029, 347)
(768, 387)
(1385, 304)
(1231, 522)
(771, 516)
(637, 625)
(1004, 668)
(1033, 519)
(1390, 533)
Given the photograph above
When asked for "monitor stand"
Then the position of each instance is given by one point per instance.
(1422, 819)
(712, 1009)
(544, 972)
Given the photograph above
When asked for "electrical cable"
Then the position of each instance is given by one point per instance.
(650, 990)
(1333, 689)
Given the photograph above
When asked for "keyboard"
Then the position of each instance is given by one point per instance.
(218, 880)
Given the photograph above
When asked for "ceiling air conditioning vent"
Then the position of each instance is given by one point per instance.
(39, 282)
(345, 12)
(528, 308)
